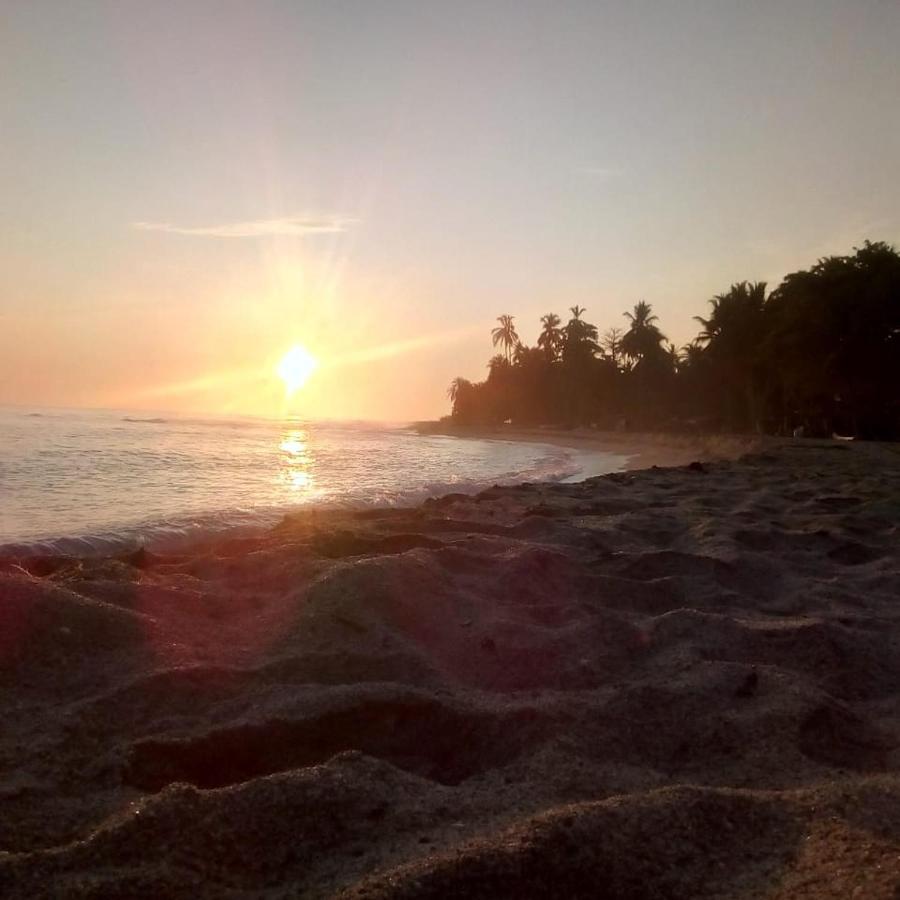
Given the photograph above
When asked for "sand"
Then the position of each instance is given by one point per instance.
(636, 450)
(673, 683)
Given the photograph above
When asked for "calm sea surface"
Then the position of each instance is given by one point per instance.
(76, 481)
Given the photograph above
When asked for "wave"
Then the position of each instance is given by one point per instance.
(170, 535)
(196, 422)
(195, 487)
(165, 535)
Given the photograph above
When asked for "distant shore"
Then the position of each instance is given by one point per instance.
(641, 450)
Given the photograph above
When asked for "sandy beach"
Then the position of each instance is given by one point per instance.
(668, 682)
(638, 450)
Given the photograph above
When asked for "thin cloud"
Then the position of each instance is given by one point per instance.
(286, 226)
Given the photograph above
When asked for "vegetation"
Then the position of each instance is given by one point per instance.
(821, 352)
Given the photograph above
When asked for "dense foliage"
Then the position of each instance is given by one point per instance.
(821, 352)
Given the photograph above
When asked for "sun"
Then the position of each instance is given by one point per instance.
(295, 368)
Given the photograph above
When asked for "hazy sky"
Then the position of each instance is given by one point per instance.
(189, 188)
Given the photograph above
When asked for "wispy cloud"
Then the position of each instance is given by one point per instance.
(285, 226)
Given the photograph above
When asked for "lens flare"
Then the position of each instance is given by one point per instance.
(295, 368)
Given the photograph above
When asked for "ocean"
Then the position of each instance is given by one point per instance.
(74, 481)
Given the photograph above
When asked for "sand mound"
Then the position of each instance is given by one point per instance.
(669, 683)
(676, 842)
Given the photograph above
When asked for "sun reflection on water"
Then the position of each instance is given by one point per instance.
(296, 461)
(293, 445)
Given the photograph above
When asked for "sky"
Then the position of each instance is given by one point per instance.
(191, 188)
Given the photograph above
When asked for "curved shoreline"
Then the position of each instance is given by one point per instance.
(526, 692)
(642, 450)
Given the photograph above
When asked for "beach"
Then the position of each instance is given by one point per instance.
(97, 481)
(635, 450)
(675, 682)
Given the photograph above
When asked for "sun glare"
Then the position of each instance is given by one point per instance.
(295, 368)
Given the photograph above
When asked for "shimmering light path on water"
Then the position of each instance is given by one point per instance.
(111, 476)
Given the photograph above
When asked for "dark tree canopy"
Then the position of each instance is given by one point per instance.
(821, 351)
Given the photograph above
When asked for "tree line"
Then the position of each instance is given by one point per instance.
(819, 353)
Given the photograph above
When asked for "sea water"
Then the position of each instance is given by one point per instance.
(83, 481)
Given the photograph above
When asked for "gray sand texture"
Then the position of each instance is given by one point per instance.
(667, 683)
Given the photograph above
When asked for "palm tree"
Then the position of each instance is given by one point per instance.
(522, 352)
(457, 387)
(579, 336)
(505, 335)
(643, 338)
(673, 355)
(690, 354)
(550, 338)
(643, 316)
(734, 313)
(498, 366)
(463, 399)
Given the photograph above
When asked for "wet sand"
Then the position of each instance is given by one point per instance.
(676, 683)
(639, 450)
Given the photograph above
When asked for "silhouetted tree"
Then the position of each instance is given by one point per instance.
(611, 343)
(456, 386)
(832, 345)
(642, 340)
(673, 355)
(732, 335)
(505, 335)
(823, 351)
(464, 397)
(551, 337)
(579, 337)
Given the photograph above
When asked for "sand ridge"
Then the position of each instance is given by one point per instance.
(664, 683)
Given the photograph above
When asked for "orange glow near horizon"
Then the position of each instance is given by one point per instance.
(319, 372)
(296, 367)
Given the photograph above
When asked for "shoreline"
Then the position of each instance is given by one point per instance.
(551, 684)
(642, 450)
(593, 451)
